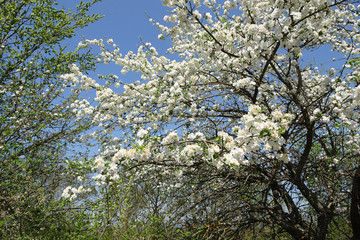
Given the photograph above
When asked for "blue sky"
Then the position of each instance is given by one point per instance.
(125, 21)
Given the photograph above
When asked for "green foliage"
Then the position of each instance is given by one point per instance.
(36, 121)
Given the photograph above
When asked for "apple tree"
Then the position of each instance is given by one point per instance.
(242, 117)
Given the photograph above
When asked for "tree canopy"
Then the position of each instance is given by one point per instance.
(236, 125)
(36, 119)
(237, 115)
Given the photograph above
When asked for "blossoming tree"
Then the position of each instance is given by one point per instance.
(237, 112)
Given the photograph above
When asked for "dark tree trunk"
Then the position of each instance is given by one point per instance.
(323, 225)
(355, 205)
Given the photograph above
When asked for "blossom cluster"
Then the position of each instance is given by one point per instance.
(72, 193)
